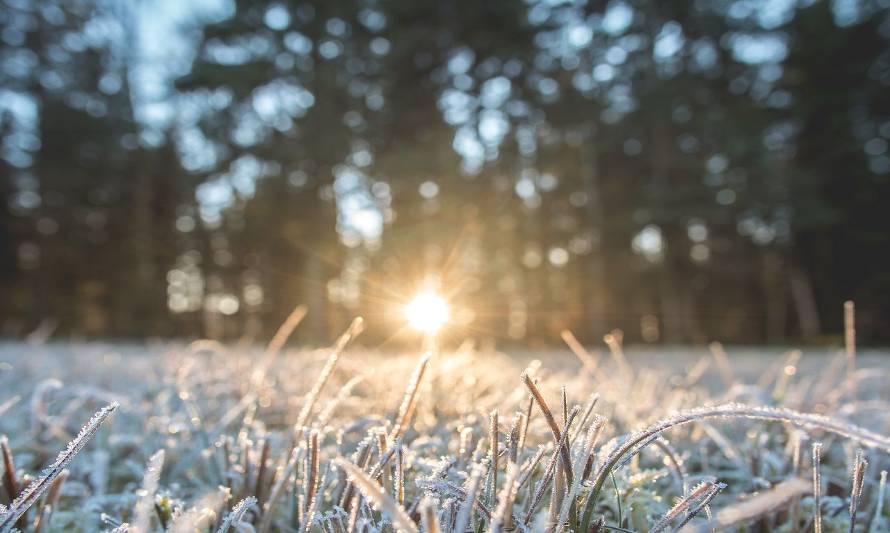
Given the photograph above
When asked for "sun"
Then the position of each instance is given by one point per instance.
(427, 312)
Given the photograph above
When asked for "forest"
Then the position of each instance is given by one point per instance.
(684, 171)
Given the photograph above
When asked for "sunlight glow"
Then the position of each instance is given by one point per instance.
(427, 312)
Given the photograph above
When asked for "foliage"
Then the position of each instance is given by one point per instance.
(175, 169)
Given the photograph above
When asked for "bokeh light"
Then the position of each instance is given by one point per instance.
(427, 312)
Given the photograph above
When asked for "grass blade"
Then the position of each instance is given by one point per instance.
(382, 501)
(237, 514)
(145, 506)
(29, 496)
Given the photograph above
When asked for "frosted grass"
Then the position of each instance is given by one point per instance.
(470, 440)
(32, 492)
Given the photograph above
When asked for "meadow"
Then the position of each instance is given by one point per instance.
(212, 437)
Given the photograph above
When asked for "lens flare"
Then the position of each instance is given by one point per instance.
(427, 312)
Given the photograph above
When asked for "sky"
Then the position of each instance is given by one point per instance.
(167, 48)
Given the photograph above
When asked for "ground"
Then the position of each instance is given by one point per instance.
(281, 434)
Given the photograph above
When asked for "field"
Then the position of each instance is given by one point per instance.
(219, 438)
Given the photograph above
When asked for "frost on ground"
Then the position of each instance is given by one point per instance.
(218, 438)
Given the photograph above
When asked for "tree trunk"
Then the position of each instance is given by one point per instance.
(804, 302)
(595, 285)
(315, 293)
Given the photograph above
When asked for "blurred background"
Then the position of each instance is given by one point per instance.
(685, 171)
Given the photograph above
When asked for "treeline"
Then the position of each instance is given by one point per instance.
(683, 171)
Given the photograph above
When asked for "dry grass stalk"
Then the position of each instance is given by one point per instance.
(384, 459)
(554, 428)
(7, 405)
(695, 373)
(817, 487)
(856, 491)
(345, 391)
(428, 515)
(464, 449)
(465, 515)
(878, 520)
(589, 361)
(541, 488)
(262, 468)
(614, 341)
(585, 457)
(785, 372)
(703, 504)
(285, 330)
(513, 438)
(528, 417)
(277, 343)
(561, 485)
(530, 465)
(380, 500)
(354, 329)
(722, 360)
(399, 474)
(278, 489)
(145, 505)
(364, 455)
(409, 401)
(557, 494)
(493, 456)
(311, 475)
(361, 458)
(544, 483)
(311, 510)
(352, 519)
(682, 505)
(501, 518)
(588, 410)
(10, 480)
(385, 478)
